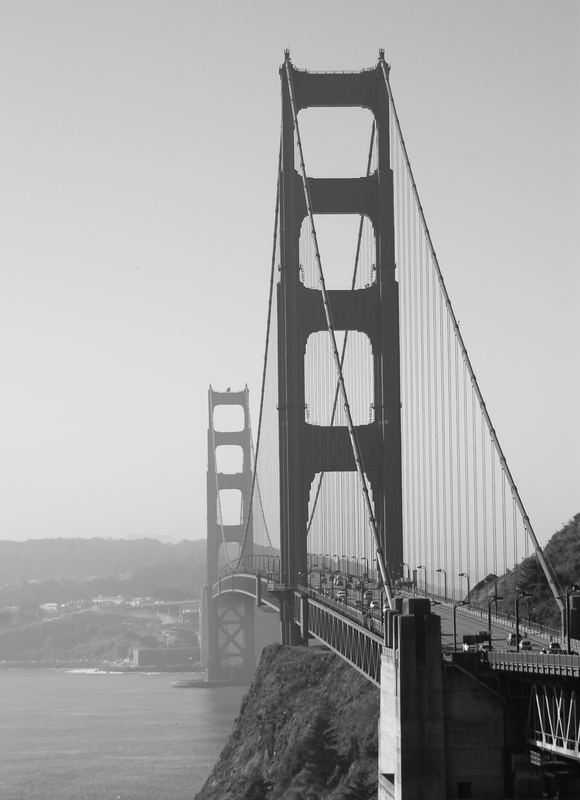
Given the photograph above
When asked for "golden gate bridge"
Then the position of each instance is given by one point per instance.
(376, 466)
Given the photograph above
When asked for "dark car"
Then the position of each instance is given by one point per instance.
(554, 648)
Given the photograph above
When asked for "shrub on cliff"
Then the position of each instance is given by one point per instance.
(307, 730)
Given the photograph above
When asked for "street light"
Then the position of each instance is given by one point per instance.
(466, 576)
(493, 599)
(420, 566)
(569, 590)
(519, 594)
(455, 605)
(444, 578)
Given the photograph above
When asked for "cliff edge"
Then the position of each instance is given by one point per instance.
(307, 730)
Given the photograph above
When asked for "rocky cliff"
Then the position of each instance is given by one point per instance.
(307, 730)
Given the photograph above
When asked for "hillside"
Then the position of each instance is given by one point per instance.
(563, 553)
(307, 729)
(47, 613)
(81, 559)
(91, 637)
(67, 570)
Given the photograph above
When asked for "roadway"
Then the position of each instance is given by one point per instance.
(471, 621)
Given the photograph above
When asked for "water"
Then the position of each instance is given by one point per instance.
(95, 736)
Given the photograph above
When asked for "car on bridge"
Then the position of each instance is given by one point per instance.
(525, 645)
(513, 639)
(554, 648)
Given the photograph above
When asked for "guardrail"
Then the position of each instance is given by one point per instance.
(534, 663)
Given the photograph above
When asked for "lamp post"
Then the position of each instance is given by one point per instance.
(569, 590)
(519, 594)
(493, 599)
(466, 576)
(420, 566)
(444, 579)
(455, 605)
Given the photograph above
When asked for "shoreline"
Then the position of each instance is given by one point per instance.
(101, 666)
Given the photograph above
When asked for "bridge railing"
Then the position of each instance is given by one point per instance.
(342, 630)
(534, 663)
(371, 623)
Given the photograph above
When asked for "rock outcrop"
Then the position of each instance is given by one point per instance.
(307, 730)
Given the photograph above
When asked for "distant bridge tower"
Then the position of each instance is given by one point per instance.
(308, 449)
(227, 626)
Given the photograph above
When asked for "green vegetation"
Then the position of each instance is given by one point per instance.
(563, 553)
(89, 638)
(307, 730)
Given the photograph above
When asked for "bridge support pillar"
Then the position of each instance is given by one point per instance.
(204, 627)
(231, 638)
(411, 728)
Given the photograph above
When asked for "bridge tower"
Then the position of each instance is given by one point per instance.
(227, 627)
(308, 449)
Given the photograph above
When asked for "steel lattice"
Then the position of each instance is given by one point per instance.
(553, 722)
(360, 647)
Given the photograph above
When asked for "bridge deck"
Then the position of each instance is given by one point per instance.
(359, 639)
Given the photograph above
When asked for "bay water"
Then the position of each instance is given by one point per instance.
(88, 735)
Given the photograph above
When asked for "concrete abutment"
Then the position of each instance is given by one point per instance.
(446, 730)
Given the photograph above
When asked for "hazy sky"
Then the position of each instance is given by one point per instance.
(138, 150)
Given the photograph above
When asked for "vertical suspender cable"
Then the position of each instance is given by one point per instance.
(264, 368)
(450, 453)
(327, 311)
(484, 494)
(475, 476)
(550, 575)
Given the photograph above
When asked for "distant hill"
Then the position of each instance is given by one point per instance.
(62, 570)
(73, 571)
(85, 637)
(79, 559)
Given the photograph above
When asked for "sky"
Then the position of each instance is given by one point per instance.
(138, 153)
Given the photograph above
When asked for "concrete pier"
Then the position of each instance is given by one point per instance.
(448, 729)
(412, 730)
